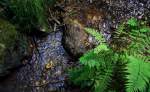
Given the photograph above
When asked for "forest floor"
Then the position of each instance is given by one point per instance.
(54, 53)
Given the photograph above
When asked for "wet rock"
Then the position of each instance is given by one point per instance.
(75, 39)
(12, 49)
(46, 71)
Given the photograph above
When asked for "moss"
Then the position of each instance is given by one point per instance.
(8, 35)
(13, 47)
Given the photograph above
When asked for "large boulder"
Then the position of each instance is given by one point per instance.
(75, 39)
(13, 47)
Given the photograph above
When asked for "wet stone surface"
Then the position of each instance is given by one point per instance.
(45, 71)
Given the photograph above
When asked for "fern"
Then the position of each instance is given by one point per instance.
(138, 57)
(139, 74)
(148, 88)
(90, 59)
(81, 75)
(103, 80)
(99, 37)
(132, 22)
(126, 55)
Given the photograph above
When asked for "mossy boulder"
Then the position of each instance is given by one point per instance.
(13, 47)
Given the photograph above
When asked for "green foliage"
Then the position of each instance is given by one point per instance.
(126, 55)
(137, 47)
(12, 47)
(98, 66)
(96, 72)
(82, 76)
(51, 2)
(104, 78)
(132, 22)
(139, 74)
(8, 35)
(28, 13)
(96, 34)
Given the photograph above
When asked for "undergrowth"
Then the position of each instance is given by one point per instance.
(8, 35)
(27, 14)
(120, 65)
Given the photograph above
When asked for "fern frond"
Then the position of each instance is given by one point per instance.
(83, 76)
(90, 59)
(103, 80)
(132, 22)
(99, 37)
(139, 74)
(101, 47)
(127, 54)
(148, 88)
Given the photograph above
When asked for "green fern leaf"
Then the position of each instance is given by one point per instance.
(90, 59)
(132, 22)
(101, 63)
(139, 74)
(82, 76)
(101, 47)
(99, 37)
(104, 79)
(145, 29)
